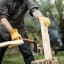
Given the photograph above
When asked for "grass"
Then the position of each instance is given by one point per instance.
(13, 56)
(61, 56)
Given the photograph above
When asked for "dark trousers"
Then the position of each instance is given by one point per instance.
(24, 49)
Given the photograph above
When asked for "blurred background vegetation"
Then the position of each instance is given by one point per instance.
(53, 9)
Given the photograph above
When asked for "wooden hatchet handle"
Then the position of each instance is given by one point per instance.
(15, 42)
(28, 40)
(6, 43)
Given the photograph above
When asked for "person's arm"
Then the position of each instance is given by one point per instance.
(4, 15)
(6, 23)
(13, 32)
(34, 11)
(39, 16)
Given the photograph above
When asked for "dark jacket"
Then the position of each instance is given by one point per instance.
(14, 11)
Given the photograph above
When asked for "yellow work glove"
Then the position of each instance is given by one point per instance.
(15, 34)
(45, 20)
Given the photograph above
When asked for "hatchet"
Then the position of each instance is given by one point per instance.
(15, 42)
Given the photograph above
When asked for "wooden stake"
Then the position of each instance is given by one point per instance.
(46, 46)
(45, 41)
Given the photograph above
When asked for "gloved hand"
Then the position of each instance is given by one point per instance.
(15, 35)
(45, 20)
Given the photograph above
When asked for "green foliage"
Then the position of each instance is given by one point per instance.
(55, 11)
(13, 56)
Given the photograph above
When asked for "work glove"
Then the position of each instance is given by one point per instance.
(45, 20)
(14, 36)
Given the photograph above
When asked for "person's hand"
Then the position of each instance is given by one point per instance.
(15, 34)
(45, 20)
